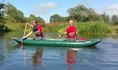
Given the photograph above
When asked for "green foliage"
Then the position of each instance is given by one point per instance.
(33, 17)
(56, 18)
(14, 15)
(93, 27)
(3, 28)
(84, 28)
(83, 14)
(12, 12)
(9, 19)
(115, 22)
(2, 20)
(14, 27)
(79, 14)
(114, 17)
(106, 18)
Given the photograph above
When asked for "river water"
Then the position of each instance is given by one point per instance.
(103, 56)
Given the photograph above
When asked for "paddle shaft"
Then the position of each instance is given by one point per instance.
(25, 29)
(24, 34)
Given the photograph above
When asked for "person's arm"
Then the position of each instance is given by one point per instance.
(28, 34)
(65, 33)
(30, 25)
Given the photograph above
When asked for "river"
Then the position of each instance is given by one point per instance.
(103, 56)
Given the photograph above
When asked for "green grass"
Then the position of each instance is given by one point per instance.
(14, 27)
(91, 27)
(84, 28)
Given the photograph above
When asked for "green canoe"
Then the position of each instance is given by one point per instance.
(57, 42)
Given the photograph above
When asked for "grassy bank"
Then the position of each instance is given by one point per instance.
(115, 27)
(83, 27)
(20, 26)
(15, 26)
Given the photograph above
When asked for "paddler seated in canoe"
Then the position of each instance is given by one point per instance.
(71, 32)
(37, 29)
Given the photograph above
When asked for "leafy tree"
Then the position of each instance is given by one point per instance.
(33, 17)
(106, 18)
(9, 19)
(55, 18)
(11, 11)
(115, 22)
(39, 19)
(114, 17)
(81, 13)
(2, 20)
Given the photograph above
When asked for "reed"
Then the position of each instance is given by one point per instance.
(20, 26)
(91, 27)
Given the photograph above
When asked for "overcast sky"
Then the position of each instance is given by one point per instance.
(47, 8)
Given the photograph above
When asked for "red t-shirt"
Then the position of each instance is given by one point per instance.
(71, 32)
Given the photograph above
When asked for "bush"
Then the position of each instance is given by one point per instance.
(91, 27)
(115, 22)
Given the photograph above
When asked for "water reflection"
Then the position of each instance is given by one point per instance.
(33, 58)
(71, 56)
(77, 56)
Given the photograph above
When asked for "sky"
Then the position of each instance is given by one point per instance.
(47, 8)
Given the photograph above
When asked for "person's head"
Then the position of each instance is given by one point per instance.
(70, 23)
(34, 22)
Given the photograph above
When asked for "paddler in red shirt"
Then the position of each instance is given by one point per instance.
(71, 32)
(37, 29)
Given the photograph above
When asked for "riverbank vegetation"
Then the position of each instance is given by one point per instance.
(86, 20)
(91, 27)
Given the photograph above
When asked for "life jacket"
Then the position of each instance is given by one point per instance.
(39, 31)
(72, 33)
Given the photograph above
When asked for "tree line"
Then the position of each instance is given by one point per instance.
(9, 14)
(82, 14)
(12, 14)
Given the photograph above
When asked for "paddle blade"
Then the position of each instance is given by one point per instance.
(21, 44)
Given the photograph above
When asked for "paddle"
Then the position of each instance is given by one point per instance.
(81, 39)
(24, 34)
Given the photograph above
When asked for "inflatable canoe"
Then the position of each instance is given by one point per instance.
(57, 42)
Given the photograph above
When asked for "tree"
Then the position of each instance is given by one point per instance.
(55, 18)
(115, 22)
(114, 17)
(106, 18)
(39, 19)
(2, 20)
(11, 11)
(81, 13)
(33, 17)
